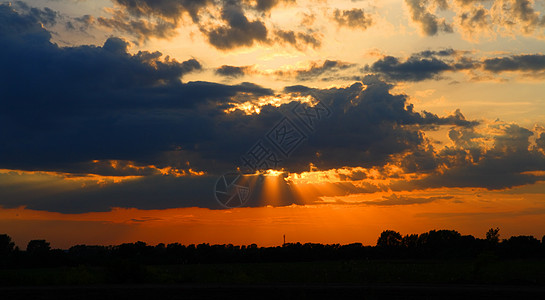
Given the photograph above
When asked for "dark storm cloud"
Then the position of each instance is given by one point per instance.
(431, 64)
(166, 191)
(238, 30)
(429, 23)
(367, 125)
(355, 18)
(149, 192)
(525, 63)
(74, 109)
(45, 16)
(77, 104)
(232, 71)
(468, 164)
(415, 68)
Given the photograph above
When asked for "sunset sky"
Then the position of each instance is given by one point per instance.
(118, 119)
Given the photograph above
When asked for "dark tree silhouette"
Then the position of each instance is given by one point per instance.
(410, 241)
(439, 238)
(493, 235)
(6, 245)
(38, 247)
(129, 260)
(522, 240)
(521, 246)
(389, 238)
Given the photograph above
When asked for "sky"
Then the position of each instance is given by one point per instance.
(241, 121)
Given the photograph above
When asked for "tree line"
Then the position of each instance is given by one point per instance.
(434, 244)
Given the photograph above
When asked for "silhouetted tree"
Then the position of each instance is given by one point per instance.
(38, 247)
(389, 238)
(6, 245)
(128, 261)
(439, 238)
(493, 235)
(89, 254)
(522, 240)
(439, 243)
(410, 241)
(521, 246)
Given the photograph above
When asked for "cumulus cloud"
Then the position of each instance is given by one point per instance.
(524, 63)
(354, 18)
(82, 23)
(470, 163)
(541, 142)
(523, 11)
(238, 30)
(39, 191)
(429, 23)
(226, 24)
(267, 5)
(368, 124)
(46, 16)
(141, 29)
(316, 70)
(119, 106)
(299, 40)
(233, 71)
(475, 21)
(420, 66)
(169, 9)
(413, 69)
(432, 64)
(504, 17)
(105, 111)
(477, 18)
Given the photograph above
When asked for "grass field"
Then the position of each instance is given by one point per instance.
(498, 272)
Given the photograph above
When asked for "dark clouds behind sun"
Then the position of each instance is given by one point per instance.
(168, 95)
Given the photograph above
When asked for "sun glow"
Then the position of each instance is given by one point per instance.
(250, 107)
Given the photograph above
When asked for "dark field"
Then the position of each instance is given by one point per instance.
(373, 279)
(276, 292)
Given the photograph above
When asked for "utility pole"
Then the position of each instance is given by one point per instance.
(284, 240)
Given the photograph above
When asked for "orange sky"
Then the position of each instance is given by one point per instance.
(119, 116)
(471, 211)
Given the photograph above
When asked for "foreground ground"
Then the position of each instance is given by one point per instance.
(274, 292)
(373, 279)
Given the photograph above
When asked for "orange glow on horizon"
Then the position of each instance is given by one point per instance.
(355, 219)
